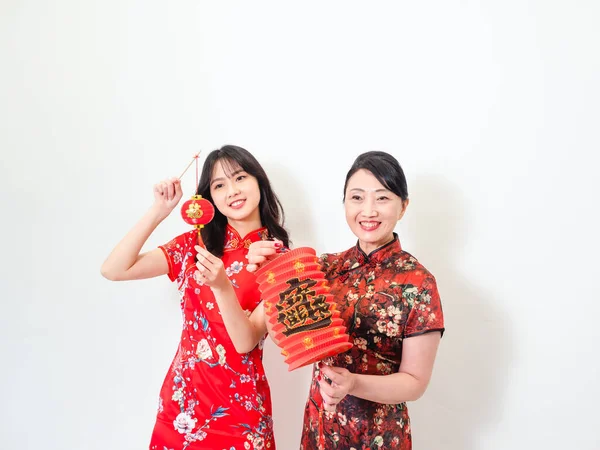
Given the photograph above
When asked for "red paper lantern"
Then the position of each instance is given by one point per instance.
(197, 211)
(299, 307)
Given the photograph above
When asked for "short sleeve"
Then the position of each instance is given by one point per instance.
(426, 314)
(176, 251)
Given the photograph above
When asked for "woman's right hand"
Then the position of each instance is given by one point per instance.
(261, 251)
(167, 194)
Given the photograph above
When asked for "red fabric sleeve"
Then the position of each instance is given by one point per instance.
(177, 250)
(426, 314)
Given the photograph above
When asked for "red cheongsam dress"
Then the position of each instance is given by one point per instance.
(384, 297)
(213, 397)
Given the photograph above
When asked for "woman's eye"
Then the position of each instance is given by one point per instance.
(218, 186)
(240, 178)
(383, 198)
(356, 197)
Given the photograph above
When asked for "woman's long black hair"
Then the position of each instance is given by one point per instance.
(270, 208)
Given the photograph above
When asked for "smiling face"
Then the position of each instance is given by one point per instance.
(236, 195)
(372, 211)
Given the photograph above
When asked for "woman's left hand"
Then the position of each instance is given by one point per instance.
(342, 383)
(211, 270)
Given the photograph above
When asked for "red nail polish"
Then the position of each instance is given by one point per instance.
(277, 244)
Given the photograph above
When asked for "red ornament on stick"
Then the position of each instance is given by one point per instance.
(197, 211)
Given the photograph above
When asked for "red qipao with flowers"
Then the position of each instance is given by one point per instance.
(384, 298)
(213, 397)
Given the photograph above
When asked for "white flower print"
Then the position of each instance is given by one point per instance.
(392, 329)
(236, 267)
(177, 395)
(184, 423)
(361, 343)
(394, 312)
(378, 441)
(210, 305)
(259, 443)
(203, 351)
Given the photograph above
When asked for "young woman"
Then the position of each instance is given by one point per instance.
(393, 314)
(215, 395)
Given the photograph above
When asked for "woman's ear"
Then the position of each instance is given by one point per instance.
(403, 209)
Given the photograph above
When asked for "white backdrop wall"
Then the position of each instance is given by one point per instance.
(491, 107)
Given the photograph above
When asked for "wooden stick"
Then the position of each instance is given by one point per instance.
(190, 164)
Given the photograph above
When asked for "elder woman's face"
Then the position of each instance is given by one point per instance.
(372, 211)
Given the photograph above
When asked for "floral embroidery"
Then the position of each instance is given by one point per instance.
(193, 408)
(384, 298)
(184, 423)
(236, 267)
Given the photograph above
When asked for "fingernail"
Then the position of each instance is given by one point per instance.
(278, 244)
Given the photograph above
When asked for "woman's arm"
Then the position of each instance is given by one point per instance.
(245, 331)
(409, 384)
(125, 261)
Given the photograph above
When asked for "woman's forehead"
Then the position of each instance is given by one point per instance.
(225, 168)
(365, 181)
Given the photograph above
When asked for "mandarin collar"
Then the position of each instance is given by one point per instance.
(357, 257)
(233, 240)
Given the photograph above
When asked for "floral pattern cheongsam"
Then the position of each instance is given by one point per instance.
(384, 298)
(213, 397)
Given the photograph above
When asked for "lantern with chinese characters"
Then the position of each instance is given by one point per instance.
(197, 211)
(306, 324)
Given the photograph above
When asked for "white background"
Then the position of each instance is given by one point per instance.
(492, 108)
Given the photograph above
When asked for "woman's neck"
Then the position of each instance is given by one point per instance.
(243, 227)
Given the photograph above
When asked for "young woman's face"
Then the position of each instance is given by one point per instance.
(235, 193)
(372, 211)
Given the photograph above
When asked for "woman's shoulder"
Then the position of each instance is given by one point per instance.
(184, 240)
(408, 267)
